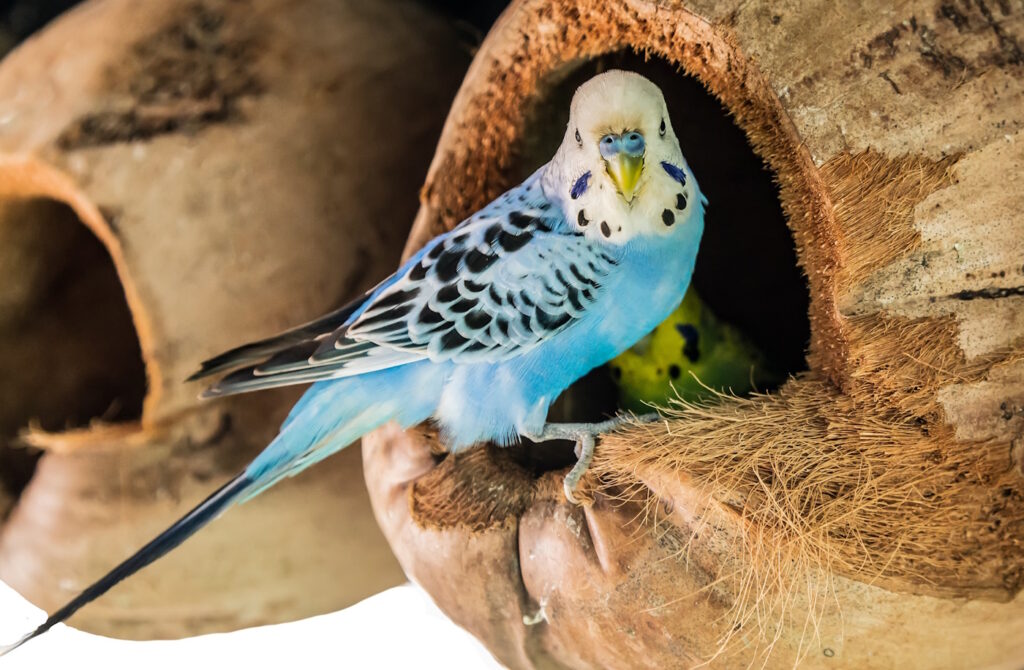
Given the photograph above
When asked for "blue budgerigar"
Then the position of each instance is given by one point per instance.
(483, 328)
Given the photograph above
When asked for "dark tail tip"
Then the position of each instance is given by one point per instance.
(180, 531)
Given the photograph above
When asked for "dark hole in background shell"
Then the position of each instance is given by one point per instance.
(69, 353)
(746, 270)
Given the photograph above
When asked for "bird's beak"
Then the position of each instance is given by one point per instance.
(625, 171)
(624, 159)
(623, 154)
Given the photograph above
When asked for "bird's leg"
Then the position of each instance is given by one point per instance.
(584, 435)
(584, 456)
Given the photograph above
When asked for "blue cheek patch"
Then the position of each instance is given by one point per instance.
(674, 172)
(580, 187)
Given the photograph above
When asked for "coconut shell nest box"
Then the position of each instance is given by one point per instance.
(177, 178)
(869, 512)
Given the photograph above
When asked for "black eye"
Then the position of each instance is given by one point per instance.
(661, 129)
(578, 138)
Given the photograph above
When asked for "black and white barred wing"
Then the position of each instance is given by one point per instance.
(494, 287)
(491, 289)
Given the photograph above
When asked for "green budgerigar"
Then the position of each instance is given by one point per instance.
(686, 355)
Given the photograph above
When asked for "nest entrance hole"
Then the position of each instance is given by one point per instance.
(746, 272)
(69, 351)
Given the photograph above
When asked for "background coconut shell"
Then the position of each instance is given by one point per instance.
(177, 178)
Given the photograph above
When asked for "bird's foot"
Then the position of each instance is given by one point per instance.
(584, 435)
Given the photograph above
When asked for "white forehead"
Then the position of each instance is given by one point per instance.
(616, 100)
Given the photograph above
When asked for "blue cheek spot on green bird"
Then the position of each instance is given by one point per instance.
(691, 337)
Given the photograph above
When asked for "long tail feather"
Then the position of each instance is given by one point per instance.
(184, 528)
(330, 416)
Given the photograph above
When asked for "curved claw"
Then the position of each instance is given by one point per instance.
(585, 455)
(584, 434)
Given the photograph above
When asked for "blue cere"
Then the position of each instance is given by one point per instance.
(633, 143)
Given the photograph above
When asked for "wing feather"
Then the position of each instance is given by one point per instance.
(255, 351)
(499, 284)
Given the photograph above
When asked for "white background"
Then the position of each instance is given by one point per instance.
(399, 628)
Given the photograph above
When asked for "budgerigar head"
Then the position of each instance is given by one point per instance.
(619, 171)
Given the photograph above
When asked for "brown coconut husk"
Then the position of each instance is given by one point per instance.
(180, 178)
(869, 513)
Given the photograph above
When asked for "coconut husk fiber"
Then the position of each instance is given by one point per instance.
(870, 512)
(177, 178)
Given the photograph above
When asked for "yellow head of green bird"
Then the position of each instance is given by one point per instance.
(689, 353)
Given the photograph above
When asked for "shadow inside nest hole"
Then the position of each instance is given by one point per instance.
(69, 351)
(746, 273)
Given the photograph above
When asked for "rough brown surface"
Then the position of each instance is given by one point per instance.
(195, 70)
(870, 513)
(244, 166)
